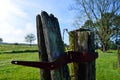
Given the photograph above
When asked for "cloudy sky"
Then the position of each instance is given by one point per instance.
(18, 17)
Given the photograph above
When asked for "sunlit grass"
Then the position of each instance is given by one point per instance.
(15, 48)
(106, 64)
(9, 71)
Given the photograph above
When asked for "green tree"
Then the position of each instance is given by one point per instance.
(1, 40)
(30, 38)
(112, 45)
(88, 25)
(117, 28)
(106, 31)
(101, 13)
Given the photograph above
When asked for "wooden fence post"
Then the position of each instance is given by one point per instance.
(53, 44)
(82, 40)
(45, 74)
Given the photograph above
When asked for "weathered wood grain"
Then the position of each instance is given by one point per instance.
(45, 74)
(82, 40)
(54, 44)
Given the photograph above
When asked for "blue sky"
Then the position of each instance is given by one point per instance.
(18, 17)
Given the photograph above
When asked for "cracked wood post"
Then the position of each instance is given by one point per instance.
(54, 46)
(82, 40)
(45, 74)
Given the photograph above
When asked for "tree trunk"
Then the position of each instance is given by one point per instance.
(82, 41)
(119, 56)
(104, 47)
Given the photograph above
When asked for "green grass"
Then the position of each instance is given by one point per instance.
(17, 48)
(106, 64)
(9, 71)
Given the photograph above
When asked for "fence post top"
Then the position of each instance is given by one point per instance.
(81, 29)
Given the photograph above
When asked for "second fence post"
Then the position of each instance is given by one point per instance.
(82, 40)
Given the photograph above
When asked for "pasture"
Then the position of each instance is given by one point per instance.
(106, 64)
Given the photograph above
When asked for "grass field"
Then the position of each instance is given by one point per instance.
(9, 71)
(106, 64)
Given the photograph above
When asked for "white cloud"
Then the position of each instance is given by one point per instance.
(8, 9)
(17, 17)
(10, 33)
(8, 30)
(4, 9)
(30, 28)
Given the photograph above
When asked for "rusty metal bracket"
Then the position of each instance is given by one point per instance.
(61, 61)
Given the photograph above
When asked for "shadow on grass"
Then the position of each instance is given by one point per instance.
(24, 51)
